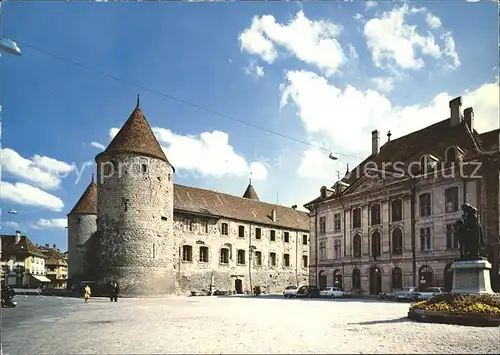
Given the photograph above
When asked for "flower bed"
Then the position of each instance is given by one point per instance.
(466, 309)
(462, 303)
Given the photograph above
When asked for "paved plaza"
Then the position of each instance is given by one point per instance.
(224, 325)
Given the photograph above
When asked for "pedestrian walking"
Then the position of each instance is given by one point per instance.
(114, 291)
(87, 293)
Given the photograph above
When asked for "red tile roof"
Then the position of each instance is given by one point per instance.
(24, 248)
(87, 204)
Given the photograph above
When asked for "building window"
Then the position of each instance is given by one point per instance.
(286, 237)
(204, 254)
(322, 251)
(204, 226)
(241, 232)
(305, 262)
(451, 241)
(336, 222)
(241, 257)
(397, 241)
(356, 246)
(322, 224)
(272, 259)
(424, 201)
(451, 155)
(188, 225)
(304, 239)
(375, 214)
(224, 256)
(397, 210)
(425, 239)
(144, 168)
(187, 253)
(154, 251)
(258, 233)
(356, 218)
(224, 229)
(376, 244)
(272, 235)
(286, 259)
(258, 258)
(451, 198)
(337, 249)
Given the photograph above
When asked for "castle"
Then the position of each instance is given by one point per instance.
(154, 237)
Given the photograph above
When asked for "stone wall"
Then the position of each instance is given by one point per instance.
(135, 213)
(80, 228)
(194, 274)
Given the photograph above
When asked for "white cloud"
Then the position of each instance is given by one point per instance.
(254, 70)
(324, 109)
(41, 171)
(392, 41)
(208, 154)
(315, 164)
(11, 224)
(313, 42)
(54, 223)
(97, 145)
(370, 4)
(433, 21)
(25, 194)
(384, 84)
(449, 50)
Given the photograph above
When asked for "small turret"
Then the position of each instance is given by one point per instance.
(250, 192)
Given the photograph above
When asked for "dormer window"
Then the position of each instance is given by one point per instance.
(453, 154)
(428, 162)
(323, 192)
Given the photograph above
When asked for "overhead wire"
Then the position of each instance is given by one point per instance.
(183, 101)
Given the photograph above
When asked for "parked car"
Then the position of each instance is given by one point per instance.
(331, 292)
(290, 291)
(307, 292)
(427, 294)
(405, 294)
(386, 295)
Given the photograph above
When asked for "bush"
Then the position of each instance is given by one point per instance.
(462, 303)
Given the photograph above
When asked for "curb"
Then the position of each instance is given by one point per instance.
(470, 319)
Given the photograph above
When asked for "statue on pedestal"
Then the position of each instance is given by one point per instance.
(469, 234)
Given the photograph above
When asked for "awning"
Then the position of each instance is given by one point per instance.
(41, 278)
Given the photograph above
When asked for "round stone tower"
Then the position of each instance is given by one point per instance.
(135, 211)
(82, 225)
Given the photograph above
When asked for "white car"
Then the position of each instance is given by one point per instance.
(290, 291)
(427, 294)
(331, 292)
(405, 294)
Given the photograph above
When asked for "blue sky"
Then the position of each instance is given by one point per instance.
(324, 73)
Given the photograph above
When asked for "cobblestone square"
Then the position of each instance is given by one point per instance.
(229, 325)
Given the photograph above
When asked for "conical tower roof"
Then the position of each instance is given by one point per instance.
(250, 192)
(87, 204)
(136, 136)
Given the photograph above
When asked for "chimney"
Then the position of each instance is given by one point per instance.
(18, 237)
(53, 246)
(47, 245)
(469, 118)
(375, 142)
(294, 207)
(273, 215)
(455, 114)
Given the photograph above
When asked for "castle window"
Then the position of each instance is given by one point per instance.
(241, 232)
(204, 226)
(425, 204)
(154, 250)
(451, 198)
(304, 239)
(272, 235)
(241, 257)
(451, 155)
(425, 239)
(203, 254)
(258, 258)
(258, 233)
(337, 223)
(188, 225)
(286, 259)
(187, 253)
(304, 261)
(397, 241)
(375, 214)
(286, 237)
(224, 256)
(272, 259)
(397, 210)
(322, 224)
(144, 168)
(356, 218)
(224, 229)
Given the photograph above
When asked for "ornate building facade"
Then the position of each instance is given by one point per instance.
(388, 224)
(135, 226)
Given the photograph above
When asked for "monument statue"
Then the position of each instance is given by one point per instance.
(469, 233)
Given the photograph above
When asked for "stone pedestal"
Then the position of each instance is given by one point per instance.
(471, 276)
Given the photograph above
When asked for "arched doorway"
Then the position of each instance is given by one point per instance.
(238, 286)
(337, 279)
(425, 277)
(397, 278)
(322, 280)
(375, 280)
(448, 278)
(356, 279)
